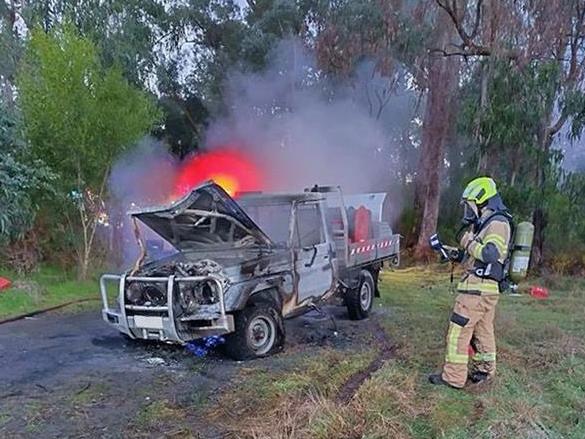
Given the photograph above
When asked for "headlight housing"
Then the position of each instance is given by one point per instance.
(193, 294)
(134, 294)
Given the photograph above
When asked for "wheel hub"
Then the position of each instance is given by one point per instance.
(365, 296)
(261, 334)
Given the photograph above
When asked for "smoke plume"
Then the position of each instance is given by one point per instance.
(298, 126)
(141, 178)
(303, 129)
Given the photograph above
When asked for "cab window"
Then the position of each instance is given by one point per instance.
(308, 226)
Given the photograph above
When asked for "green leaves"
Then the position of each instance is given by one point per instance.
(78, 116)
(21, 180)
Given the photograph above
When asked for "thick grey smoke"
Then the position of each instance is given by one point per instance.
(299, 127)
(305, 130)
(142, 177)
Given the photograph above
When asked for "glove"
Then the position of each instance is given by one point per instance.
(466, 239)
(454, 254)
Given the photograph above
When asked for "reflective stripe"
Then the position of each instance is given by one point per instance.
(452, 340)
(498, 241)
(476, 251)
(491, 356)
(483, 287)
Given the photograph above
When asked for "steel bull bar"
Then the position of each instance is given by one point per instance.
(164, 327)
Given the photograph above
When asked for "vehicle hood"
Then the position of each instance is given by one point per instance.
(207, 218)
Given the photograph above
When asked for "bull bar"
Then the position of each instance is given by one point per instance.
(167, 331)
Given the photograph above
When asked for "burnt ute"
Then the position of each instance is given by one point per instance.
(239, 268)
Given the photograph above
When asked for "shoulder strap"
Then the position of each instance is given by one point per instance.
(507, 218)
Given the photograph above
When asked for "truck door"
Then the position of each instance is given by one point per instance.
(312, 256)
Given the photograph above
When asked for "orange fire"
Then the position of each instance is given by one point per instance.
(229, 168)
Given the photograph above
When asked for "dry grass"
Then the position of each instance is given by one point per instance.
(538, 392)
(265, 404)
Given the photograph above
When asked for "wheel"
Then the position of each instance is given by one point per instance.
(259, 331)
(359, 301)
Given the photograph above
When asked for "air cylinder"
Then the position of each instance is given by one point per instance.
(520, 258)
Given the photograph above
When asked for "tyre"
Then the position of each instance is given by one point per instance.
(259, 331)
(359, 301)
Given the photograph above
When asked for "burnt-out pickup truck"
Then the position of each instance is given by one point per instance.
(240, 267)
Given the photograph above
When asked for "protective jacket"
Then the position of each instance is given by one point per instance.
(486, 253)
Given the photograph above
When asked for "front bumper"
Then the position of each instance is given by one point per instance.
(159, 322)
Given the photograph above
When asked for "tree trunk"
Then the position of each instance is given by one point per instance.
(441, 87)
(539, 221)
(539, 215)
(420, 189)
(482, 162)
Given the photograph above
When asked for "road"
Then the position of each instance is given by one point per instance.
(71, 375)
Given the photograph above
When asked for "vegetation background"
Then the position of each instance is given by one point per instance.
(463, 87)
(498, 89)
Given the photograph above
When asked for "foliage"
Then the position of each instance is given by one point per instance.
(125, 32)
(78, 116)
(506, 144)
(184, 121)
(20, 179)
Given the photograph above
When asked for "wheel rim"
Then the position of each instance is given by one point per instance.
(261, 334)
(365, 296)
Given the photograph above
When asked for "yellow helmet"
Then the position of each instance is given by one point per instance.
(480, 190)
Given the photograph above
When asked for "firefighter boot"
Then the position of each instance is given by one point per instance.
(479, 377)
(437, 380)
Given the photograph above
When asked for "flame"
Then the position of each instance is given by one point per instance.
(229, 168)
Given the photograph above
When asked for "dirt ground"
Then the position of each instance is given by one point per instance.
(70, 375)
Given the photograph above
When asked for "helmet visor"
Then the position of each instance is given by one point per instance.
(470, 214)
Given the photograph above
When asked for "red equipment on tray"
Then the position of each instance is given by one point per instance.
(362, 220)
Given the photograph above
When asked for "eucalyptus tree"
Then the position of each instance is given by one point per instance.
(531, 89)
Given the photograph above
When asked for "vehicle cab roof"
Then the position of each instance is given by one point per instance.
(278, 198)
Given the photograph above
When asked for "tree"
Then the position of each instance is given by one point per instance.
(23, 182)
(78, 116)
(542, 42)
(442, 78)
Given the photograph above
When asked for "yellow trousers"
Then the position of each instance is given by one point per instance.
(471, 323)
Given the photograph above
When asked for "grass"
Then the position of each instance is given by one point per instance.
(276, 404)
(92, 394)
(42, 289)
(539, 391)
(160, 418)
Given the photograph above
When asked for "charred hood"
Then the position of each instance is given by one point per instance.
(206, 218)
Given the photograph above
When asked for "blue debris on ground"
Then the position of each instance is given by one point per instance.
(201, 347)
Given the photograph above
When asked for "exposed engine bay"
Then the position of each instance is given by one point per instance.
(189, 295)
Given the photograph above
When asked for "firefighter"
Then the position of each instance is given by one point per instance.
(484, 253)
